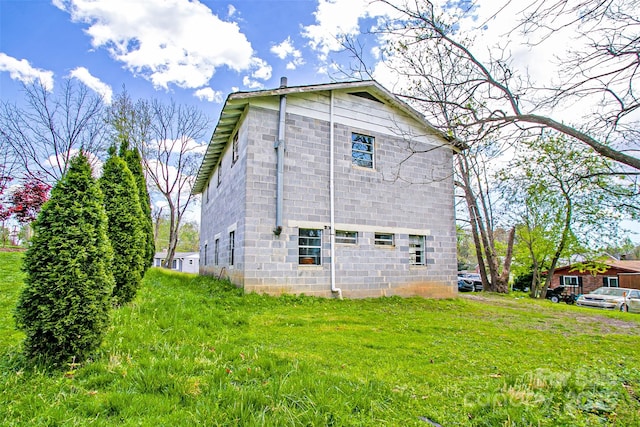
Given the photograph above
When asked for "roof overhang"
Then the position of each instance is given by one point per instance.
(237, 102)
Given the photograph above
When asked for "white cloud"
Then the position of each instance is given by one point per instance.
(286, 50)
(336, 19)
(209, 94)
(20, 69)
(261, 71)
(231, 10)
(251, 84)
(93, 83)
(177, 42)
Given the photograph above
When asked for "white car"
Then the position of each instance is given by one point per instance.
(622, 299)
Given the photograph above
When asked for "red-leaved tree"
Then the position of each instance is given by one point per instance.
(28, 199)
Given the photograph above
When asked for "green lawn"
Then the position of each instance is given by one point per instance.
(194, 351)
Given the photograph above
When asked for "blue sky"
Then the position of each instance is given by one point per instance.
(197, 52)
(194, 52)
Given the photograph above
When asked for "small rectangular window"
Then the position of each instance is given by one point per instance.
(611, 282)
(174, 264)
(383, 239)
(362, 150)
(232, 247)
(234, 157)
(216, 252)
(310, 247)
(416, 250)
(205, 254)
(348, 237)
(570, 281)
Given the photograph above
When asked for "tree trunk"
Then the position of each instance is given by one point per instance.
(476, 223)
(173, 235)
(563, 241)
(502, 284)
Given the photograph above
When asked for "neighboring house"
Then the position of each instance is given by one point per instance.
(331, 189)
(187, 262)
(622, 274)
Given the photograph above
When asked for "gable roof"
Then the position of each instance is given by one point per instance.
(237, 102)
(627, 266)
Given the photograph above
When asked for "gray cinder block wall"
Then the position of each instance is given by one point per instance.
(408, 192)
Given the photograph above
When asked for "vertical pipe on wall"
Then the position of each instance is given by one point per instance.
(280, 147)
(332, 230)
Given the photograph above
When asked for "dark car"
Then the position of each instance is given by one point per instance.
(465, 285)
(474, 279)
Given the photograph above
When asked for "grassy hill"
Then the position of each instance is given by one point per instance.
(195, 351)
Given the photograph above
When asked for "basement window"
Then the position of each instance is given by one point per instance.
(416, 250)
(309, 246)
(362, 150)
(347, 237)
(383, 239)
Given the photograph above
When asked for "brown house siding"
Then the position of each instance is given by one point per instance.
(590, 282)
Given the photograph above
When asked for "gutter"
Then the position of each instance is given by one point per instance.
(332, 229)
(280, 147)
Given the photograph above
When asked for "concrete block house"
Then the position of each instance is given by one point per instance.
(336, 189)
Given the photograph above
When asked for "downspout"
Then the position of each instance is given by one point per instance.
(280, 147)
(332, 230)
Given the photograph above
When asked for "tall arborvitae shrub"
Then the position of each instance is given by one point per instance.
(134, 162)
(124, 215)
(64, 306)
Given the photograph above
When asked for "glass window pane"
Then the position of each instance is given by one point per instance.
(416, 250)
(348, 237)
(362, 150)
(309, 247)
(383, 239)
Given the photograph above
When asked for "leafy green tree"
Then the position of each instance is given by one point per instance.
(134, 162)
(188, 235)
(125, 227)
(569, 198)
(64, 306)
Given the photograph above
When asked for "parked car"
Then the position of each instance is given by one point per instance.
(473, 278)
(622, 299)
(465, 285)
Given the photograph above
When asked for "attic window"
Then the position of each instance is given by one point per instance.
(366, 95)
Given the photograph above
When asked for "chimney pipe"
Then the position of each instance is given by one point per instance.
(283, 82)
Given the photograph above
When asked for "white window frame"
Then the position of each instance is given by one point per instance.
(384, 239)
(609, 279)
(309, 246)
(568, 284)
(347, 237)
(370, 141)
(417, 250)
